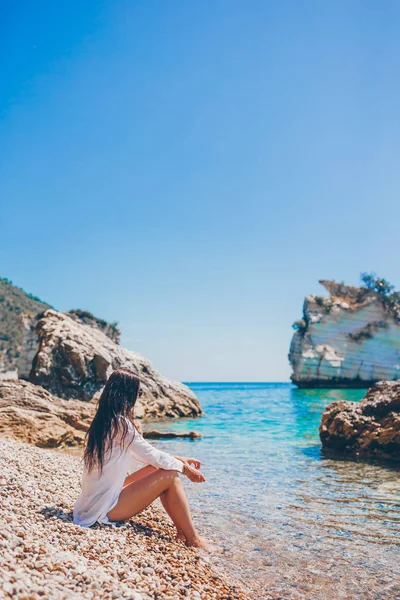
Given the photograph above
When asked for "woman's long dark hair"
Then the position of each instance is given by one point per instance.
(117, 398)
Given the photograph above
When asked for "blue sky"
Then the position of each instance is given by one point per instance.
(191, 169)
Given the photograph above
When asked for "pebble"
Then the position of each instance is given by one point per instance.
(44, 555)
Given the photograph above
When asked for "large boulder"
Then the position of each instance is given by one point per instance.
(31, 414)
(19, 313)
(369, 428)
(74, 360)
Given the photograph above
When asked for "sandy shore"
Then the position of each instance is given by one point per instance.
(44, 555)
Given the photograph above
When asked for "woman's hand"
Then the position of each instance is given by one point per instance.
(193, 461)
(192, 473)
(190, 461)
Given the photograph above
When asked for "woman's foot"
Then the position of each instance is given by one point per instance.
(202, 544)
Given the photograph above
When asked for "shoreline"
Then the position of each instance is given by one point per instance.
(46, 555)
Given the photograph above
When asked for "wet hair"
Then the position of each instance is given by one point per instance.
(117, 399)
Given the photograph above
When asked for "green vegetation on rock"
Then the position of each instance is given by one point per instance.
(389, 296)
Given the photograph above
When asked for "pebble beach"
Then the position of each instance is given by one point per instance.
(44, 555)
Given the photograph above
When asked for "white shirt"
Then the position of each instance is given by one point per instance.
(100, 492)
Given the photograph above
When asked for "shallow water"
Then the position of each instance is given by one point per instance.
(292, 523)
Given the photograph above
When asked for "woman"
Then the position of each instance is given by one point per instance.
(108, 495)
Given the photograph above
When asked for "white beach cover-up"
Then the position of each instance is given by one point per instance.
(100, 492)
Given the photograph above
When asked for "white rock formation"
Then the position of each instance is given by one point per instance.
(349, 339)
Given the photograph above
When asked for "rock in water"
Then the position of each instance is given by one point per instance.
(32, 414)
(348, 339)
(74, 360)
(165, 435)
(367, 428)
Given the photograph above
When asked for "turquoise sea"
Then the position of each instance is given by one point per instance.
(292, 523)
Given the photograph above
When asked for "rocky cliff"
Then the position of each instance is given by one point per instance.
(369, 428)
(72, 354)
(74, 360)
(350, 338)
(19, 313)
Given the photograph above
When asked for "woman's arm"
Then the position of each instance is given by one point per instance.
(144, 452)
(191, 473)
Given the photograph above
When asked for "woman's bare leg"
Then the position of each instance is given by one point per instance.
(180, 533)
(163, 497)
(164, 501)
(139, 494)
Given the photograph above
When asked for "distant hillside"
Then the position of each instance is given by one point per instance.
(15, 305)
(19, 312)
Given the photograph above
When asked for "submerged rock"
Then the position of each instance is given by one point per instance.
(165, 435)
(31, 414)
(369, 428)
(348, 339)
(74, 360)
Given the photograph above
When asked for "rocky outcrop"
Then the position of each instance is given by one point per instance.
(19, 313)
(72, 354)
(369, 428)
(74, 361)
(31, 414)
(350, 338)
